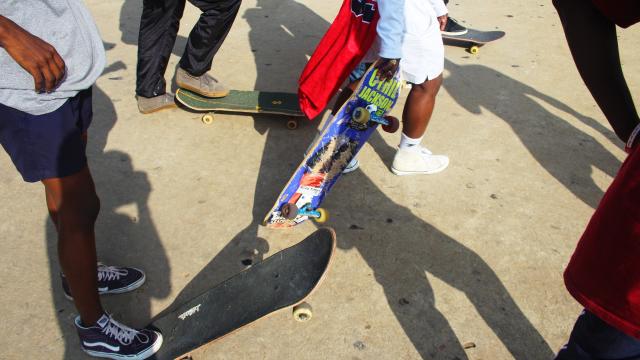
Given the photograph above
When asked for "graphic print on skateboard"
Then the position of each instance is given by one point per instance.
(252, 102)
(472, 39)
(334, 148)
(280, 281)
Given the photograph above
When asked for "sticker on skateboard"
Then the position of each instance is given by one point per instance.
(472, 39)
(281, 281)
(252, 102)
(334, 148)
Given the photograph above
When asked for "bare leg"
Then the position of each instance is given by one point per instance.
(73, 206)
(419, 107)
(594, 46)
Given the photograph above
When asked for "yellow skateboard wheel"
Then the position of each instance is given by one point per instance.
(324, 216)
(474, 49)
(207, 118)
(360, 115)
(302, 312)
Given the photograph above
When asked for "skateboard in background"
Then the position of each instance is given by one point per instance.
(252, 102)
(472, 39)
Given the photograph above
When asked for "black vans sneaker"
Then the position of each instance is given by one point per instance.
(112, 280)
(453, 28)
(112, 340)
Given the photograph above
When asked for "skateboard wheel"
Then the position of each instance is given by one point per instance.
(292, 124)
(474, 49)
(324, 216)
(207, 118)
(394, 124)
(289, 211)
(360, 115)
(302, 312)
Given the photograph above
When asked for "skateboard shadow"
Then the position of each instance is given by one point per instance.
(283, 35)
(564, 151)
(120, 238)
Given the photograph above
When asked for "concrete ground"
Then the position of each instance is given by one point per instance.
(424, 266)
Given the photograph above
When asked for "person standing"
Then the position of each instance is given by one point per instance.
(45, 111)
(159, 26)
(603, 274)
(408, 37)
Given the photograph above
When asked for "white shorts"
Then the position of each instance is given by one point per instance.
(422, 48)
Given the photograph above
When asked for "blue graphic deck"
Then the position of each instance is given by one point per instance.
(334, 148)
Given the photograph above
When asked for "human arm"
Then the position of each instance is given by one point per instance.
(441, 12)
(36, 56)
(390, 31)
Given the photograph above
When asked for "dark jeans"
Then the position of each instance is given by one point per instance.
(158, 30)
(594, 339)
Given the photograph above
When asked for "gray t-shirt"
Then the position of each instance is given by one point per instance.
(68, 26)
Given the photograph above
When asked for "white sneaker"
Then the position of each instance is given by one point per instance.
(353, 165)
(417, 160)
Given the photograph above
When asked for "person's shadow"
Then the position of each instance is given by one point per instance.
(283, 33)
(400, 248)
(121, 238)
(566, 152)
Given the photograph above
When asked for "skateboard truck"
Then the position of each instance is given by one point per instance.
(361, 116)
(291, 211)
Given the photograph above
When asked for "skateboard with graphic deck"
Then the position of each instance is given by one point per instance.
(334, 148)
(472, 39)
(281, 281)
(252, 102)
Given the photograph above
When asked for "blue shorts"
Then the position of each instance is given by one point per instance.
(594, 339)
(50, 145)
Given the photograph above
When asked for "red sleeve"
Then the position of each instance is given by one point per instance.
(622, 12)
(342, 48)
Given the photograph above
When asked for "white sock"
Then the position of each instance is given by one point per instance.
(407, 142)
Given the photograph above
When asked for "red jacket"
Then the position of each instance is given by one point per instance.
(343, 46)
(622, 12)
(604, 271)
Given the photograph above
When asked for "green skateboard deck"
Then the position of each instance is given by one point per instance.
(243, 101)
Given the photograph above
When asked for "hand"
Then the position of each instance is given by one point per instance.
(387, 68)
(443, 21)
(36, 56)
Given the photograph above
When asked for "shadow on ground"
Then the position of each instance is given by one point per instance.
(121, 239)
(398, 253)
(563, 150)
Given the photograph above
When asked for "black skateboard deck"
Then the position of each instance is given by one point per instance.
(282, 280)
(244, 101)
(472, 39)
